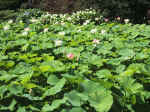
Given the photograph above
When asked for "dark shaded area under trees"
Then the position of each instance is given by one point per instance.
(135, 10)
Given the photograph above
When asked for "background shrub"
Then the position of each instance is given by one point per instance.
(135, 10)
(79, 17)
(7, 14)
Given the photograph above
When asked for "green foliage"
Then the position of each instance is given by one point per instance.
(82, 17)
(7, 14)
(54, 64)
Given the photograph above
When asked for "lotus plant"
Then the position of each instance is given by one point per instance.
(70, 56)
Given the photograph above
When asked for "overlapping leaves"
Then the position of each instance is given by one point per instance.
(36, 73)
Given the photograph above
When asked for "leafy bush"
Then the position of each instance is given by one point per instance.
(7, 14)
(27, 14)
(53, 67)
(134, 9)
(79, 17)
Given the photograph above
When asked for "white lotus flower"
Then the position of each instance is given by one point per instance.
(58, 42)
(86, 22)
(106, 19)
(96, 19)
(94, 30)
(10, 21)
(24, 33)
(69, 18)
(61, 33)
(95, 41)
(6, 27)
(118, 18)
(103, 31)
(20, 21)
(46, 30)
(126, 20)
(26, 29)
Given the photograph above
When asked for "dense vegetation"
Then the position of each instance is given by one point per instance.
(135, 10)
(73, 63)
